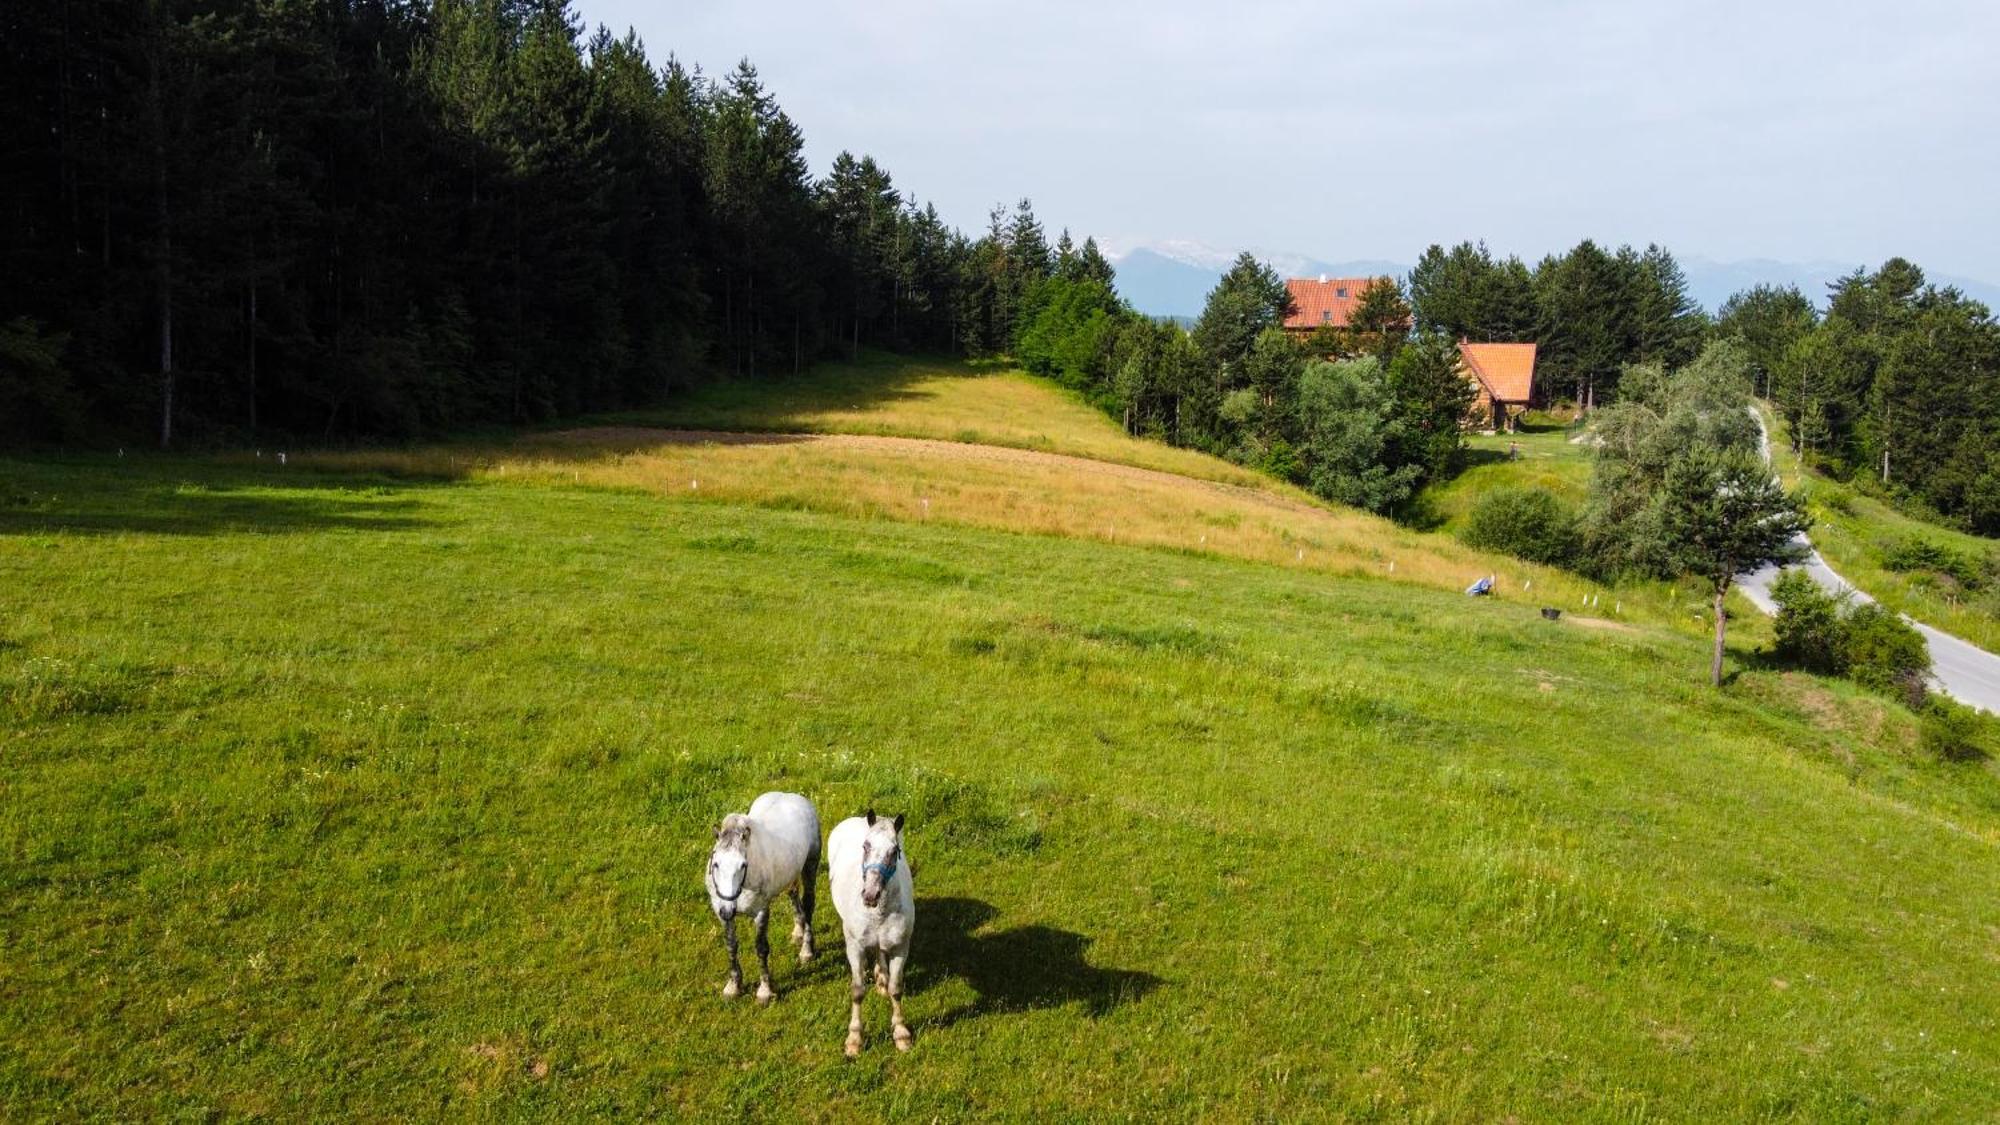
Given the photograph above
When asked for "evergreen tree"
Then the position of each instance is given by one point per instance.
(1249, 299)
(1430, 397)
(1723, 514)
(1769, 319)
(1667, 325)
(1379, 322)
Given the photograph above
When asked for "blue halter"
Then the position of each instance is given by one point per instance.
(888, 870)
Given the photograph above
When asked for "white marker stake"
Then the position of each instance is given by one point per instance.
(1392, 566)
(281, 458)
(1526, 584)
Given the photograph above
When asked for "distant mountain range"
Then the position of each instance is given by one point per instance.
(1173, 278)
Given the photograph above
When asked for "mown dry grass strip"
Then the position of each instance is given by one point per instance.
(1010, 489)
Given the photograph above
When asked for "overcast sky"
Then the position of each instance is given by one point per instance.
(1798, 131)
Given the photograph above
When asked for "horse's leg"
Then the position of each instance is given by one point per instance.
(857, 968)
(735, 982)
(764, 992)
(802, 906)
(902, 1030)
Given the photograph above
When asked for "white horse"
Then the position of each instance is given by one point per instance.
(877, 904)
(772, 850)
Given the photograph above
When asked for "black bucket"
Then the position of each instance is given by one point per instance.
(1551, 614)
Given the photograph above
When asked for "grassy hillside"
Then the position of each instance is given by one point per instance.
(946, 399)
(898, 443)
(345, 795)
(1856, 532)
(1542, 456)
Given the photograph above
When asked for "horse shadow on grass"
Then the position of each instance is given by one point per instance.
(1012, 970)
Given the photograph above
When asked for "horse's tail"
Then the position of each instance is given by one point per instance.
(810, 869)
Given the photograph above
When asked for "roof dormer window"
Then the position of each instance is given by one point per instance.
(1341, 292)
(1326, 316)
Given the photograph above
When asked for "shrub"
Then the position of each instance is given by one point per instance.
(1811, 626)
(1526, 523)
(1920, 554)
(1885, 653)
(1950, 731)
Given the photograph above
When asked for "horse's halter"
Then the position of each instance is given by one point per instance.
(717, 891)
(888, 870)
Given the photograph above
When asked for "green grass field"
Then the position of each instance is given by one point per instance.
(338, 794)
(1542, 455)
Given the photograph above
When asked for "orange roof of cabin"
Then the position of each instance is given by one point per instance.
(1320, 302)
(1506, 370)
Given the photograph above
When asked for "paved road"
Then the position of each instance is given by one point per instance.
(1959, 668)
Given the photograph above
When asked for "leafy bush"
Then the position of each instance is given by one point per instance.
(1824, 632)
(1527, 523)
(1917, 553)
(1885, 653)
(1950, 731)
(1281, 460)
(1811, 626)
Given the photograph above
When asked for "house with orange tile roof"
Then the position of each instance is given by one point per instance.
(1505, 377)
(1325, 303)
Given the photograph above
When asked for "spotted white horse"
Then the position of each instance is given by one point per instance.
(772, 850)
(877, 903)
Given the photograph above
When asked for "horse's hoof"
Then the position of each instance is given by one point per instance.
(729, 990)
(854, 1046)
(805, 955)
(765, 995)
(902, 1039)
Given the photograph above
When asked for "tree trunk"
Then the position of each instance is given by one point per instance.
(252, 357)
(1721, 627)
(164, 270)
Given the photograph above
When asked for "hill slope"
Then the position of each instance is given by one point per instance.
(1858, 533)
(342, 794)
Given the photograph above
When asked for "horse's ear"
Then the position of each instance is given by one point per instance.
(899, 822)
(871, 816)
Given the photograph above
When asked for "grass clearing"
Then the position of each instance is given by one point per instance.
(1856, 533)
(985, 403)
(1542, 455)
(345, 795)
(1009, 489)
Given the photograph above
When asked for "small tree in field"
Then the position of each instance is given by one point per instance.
(1723, 514)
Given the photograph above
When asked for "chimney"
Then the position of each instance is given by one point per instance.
(1322, 279)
